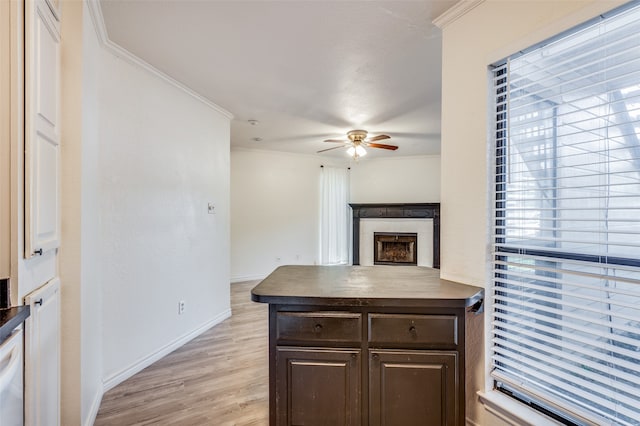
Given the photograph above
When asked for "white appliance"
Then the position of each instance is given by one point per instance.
(11, 400)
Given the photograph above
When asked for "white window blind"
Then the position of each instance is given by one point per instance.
(566, 251)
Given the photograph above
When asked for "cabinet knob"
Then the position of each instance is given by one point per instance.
(318, 328)
(412, 329)
(375, 356)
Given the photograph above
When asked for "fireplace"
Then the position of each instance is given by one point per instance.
(391, 248)
(422, 218)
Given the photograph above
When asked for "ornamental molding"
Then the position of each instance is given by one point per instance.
(95, 11)
(455, 12)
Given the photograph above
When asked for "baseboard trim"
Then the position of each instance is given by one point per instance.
(116, 379)
(95, 407)
(242, 278)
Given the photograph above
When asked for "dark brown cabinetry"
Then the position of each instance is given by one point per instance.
(318, 386)
(413, 388)
(321, 377)
(365, 357)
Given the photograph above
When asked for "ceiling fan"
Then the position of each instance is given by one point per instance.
(357, 140)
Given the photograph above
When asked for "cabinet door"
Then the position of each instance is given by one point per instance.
(412, 388)
(317, 386)
(42, 137)
(6, 43)
(42, 356)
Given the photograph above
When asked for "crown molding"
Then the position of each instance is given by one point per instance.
(95, 11)
(455, 12)
(265, 151)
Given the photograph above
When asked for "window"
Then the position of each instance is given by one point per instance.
(566, 237)
(334, 216)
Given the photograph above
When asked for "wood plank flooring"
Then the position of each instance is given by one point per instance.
(219, 378)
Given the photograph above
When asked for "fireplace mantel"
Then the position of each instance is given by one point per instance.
(397, 211)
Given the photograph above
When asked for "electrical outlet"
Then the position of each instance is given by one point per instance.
(211, 209)
(181, 307)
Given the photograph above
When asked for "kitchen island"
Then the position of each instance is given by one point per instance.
(358, 345)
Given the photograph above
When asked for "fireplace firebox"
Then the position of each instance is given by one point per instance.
(391, 248)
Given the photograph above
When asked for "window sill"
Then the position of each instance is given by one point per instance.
(512, 411)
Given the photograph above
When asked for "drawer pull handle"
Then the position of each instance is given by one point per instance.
(412, 329)
(38, 302)
(318, 328)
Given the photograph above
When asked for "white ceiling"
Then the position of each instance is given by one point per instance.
(306, 70)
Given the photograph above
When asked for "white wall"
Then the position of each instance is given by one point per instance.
(163, 156)
(489, 32)
(274, 205)
(92, 266)
(81, 372)
(396, 180)
(141, 160)
(274, 202)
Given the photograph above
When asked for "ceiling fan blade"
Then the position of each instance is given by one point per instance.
(328, 149)
(383, 146)
(336, 140)
(379, 138)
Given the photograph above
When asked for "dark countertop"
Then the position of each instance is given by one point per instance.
(364, 286)
(10, 318)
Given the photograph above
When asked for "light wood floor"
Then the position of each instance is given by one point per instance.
(219, 378)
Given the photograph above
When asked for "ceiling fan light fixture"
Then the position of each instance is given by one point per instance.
(356, 151)
(357, 141)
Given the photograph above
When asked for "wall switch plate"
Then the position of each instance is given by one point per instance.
(211, 209)
(181, 307)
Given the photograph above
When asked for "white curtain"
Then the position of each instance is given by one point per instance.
(334, 216)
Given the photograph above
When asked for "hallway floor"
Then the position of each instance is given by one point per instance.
(218, 378)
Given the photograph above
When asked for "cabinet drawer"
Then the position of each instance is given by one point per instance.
(319, 326)
(413, 329)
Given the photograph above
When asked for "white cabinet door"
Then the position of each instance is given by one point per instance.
(42, 356)
(42, 138)
(5, 140)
